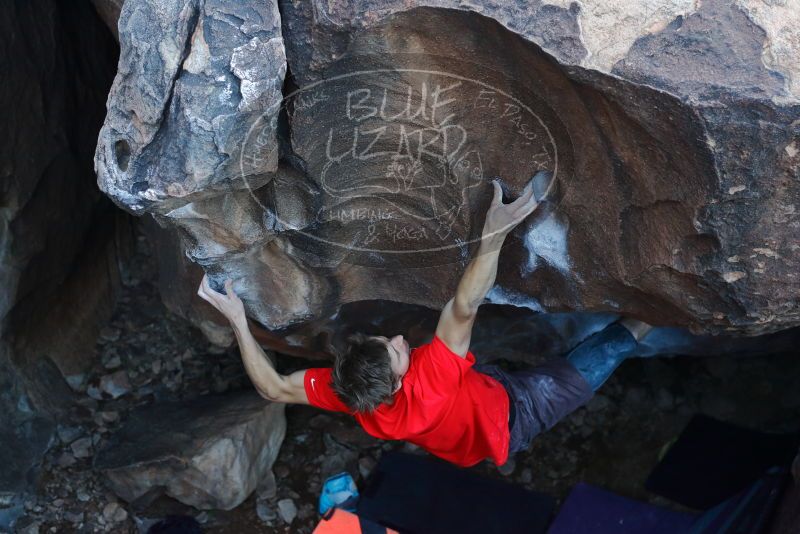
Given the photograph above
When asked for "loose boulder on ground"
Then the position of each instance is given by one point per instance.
(210, 453)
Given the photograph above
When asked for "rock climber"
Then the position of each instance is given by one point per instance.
(434, 395)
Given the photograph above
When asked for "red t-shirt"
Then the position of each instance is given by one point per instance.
(443, 406)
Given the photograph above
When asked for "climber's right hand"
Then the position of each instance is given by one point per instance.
(228, 304)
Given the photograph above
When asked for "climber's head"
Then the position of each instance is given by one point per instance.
(370, 371)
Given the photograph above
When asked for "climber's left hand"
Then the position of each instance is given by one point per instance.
(502, 218)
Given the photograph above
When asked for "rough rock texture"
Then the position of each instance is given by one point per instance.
(670, 127)
(61, 241)
(215, 65)
(209, 453)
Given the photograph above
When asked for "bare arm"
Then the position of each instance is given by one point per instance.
(458, 315)
(268, 382)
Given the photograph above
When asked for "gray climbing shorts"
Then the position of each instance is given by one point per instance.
(539, 397)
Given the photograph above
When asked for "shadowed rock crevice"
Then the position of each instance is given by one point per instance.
(61, 241)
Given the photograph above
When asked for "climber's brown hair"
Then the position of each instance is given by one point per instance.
(362, 375)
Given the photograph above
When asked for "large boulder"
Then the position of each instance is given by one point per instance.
(670, 129)
(210, 452)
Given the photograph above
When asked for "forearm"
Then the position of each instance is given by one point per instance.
(478, 277)
(269, 383)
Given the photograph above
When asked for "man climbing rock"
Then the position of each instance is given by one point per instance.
(434, 396)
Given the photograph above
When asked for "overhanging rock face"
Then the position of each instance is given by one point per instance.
(673, 138)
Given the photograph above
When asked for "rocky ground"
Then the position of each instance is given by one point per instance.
(146, 355)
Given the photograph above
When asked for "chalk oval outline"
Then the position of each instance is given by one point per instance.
(275, 108)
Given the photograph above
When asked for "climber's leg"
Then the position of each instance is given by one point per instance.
(539, 397)
(543, 395)
(597, 357)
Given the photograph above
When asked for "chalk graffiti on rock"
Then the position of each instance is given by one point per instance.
(412, 130)
(354, 214)
(401, 159)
